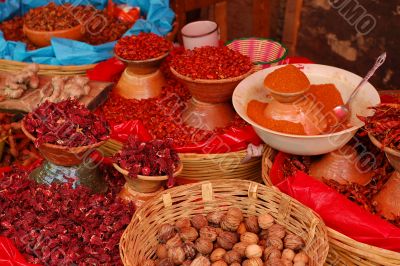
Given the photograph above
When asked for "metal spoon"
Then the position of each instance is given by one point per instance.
(342, 112)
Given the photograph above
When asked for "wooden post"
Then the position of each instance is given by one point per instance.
(261, 18)
(292, 24)
(221, 17)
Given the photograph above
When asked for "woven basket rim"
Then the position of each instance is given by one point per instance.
(376, 251)
(262, 39)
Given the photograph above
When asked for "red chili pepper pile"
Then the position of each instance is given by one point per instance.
(362, 195)
(385, 124)
(58, 225)
(211, 63)
(141, 47)
(67, 123)
(153, 158)
(51, 17)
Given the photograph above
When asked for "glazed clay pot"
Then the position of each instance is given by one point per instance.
(343, 166)
(388, 199)
(43, 38)
(63, 155)
(141, 79)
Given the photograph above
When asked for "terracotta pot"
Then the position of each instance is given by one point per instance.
(388, 199)
(208, 116)
(43, 38)
(143, 67)
(63, 155)
(392, 155)
(211, 91)
(342, 166)
(145, 184)
(127, 194)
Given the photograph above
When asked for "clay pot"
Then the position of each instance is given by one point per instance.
(208, 116)
(145, 184)
(342, 166)
(211, 91)
(388, 198)
(141, 79)
(63, 155)
(43, 38)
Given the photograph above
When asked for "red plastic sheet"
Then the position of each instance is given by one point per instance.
(9, 255)
(337, 211)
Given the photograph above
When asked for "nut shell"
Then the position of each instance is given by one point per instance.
(271, 252)
(241, 229)
(265, 221)
(217, 254)
(219, 263)
(166, 232)
(275, 242)
(215, 218)
(240, 248)
(251, 224)
(276, 230)
(177, 255)
(162, 251)
(189, 249)
(189, 234)
(149, 263)
(301, 257)
(293, 241)
(208, 232)
(275, 262)
(232, 256)
(175, 241)
(200, 261)
(226, 240)
(288, 254)
(204, 246)
(198, 221)
(183, 222)
(249, 237)
(165, 262)
(253, 262)
(253, 251)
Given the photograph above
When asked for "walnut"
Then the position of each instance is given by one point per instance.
(166, 232)
(232, 256)
(204, 246)
(186, 263)
(251, 224)
(189, 249)
(226, 240)
(217, 254)
(200, 261)
(288, 254)
(271, 252)
(265, 221)
(275, 262)
(183, 222)
(276, 230)
(232, 219)
(241, 229)
(208, 232)
(275, 242)
(240, 248)
(214, 218)
(263, 234)
(262, 243)
(253, 262)
(301, 257)
(177, 255)
(165, 262)
(175, 241)
(189, 234)
(149, 263)
(235, 264)
(199, 221)
(162, 251)
(293, 241)
(253, 251)
(249, 237)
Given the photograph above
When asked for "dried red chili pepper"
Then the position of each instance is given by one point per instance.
(211, 63)
(153, 158)
(67, 123)
(141, 47)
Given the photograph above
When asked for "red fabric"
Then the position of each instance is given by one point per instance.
(9, 255)
(337, 211)
(108, 71)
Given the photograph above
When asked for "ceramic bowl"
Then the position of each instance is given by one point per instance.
(63, 155)
(43, 38)
(392, 155)
(211, 90)
(252, 88)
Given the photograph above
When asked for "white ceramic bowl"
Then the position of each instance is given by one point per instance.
(252, 88)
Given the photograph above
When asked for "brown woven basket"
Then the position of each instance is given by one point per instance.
(203, 167)
(139, 239)
(343, 250)
(52, 70)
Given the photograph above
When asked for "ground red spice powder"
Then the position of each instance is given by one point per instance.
(326, 95)
(287, 79)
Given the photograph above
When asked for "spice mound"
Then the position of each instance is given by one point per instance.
(51, 17)
(211, 63)
(317, 105)
(152, 158)
(67, 123)
(287, 79)
(142, 47)
(228, 238)
(384, 124)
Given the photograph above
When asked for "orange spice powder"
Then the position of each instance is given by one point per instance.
(325, 95)
(287, 79)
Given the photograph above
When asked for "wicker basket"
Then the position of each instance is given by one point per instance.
(263, 52)
(139, 239)
(52, 70)
(202, 167)
(343, 250)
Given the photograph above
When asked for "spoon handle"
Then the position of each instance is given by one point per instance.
(381, 59)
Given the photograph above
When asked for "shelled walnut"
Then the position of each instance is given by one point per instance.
(230, 238)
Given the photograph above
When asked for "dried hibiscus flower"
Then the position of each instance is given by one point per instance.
(152, 158)
(67, 123)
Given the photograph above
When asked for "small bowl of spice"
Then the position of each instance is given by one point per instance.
(43, 23)
(145, 165)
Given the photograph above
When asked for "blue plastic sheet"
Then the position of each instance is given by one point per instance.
(159, 19)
